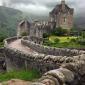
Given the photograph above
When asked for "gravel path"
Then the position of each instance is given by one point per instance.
(17, 45)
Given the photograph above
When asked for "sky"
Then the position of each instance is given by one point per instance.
(42, 7)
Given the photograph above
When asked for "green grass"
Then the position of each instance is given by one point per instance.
(1, 44)
(23, 75)
(62, 39)
(64, 42)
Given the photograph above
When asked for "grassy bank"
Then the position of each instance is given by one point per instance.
(63, 42)
(23, 75)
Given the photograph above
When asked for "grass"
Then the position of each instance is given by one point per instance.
(62, 39)
(1, 44)
(64, 42)
(23, 75)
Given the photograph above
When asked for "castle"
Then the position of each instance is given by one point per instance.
(60, 16)
(62, 66)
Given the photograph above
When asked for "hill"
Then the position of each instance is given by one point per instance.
(79, 21)
(9, 18)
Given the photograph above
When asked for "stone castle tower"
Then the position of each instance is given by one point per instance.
(62, 16)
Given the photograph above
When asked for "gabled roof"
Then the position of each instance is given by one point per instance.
(58, 8)
(23, 22)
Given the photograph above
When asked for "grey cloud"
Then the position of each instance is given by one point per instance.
(42, 6)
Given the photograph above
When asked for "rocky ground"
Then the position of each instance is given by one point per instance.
(16, 82)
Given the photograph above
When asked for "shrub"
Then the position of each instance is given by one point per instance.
(56, 40)
(73, 40)
(2, 38)
(59, 32)
(24, 34)
(45, 35)
(68, 38)
(81, 41)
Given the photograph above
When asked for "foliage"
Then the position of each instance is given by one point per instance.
(59, 32)
(45, 35)
(24, 75)
(57, 40)
(73, 40)
(2, 37)
(64, 42)
(24, 34)
(81, 41)
(47, 42)
(83, 34)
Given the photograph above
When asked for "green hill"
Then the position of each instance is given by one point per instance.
(9, 18)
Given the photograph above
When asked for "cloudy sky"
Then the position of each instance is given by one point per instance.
(42, 7)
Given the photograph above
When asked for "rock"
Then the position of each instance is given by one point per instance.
(69, 76)
(37, 83)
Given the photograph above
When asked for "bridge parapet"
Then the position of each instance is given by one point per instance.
(26, 41)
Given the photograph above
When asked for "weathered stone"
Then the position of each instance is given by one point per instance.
(69, 76)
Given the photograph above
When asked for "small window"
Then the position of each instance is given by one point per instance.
(64, 19)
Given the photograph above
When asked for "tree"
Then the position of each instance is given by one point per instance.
(45, 35)
(60, 32)
(24, 34)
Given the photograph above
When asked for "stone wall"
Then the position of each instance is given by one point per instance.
(18, 60)
(2, 60)
(50, 50)
(68, 74)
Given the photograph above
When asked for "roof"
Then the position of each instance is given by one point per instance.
(58, 8)
(23, 22)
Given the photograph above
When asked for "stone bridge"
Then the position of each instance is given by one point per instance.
(67, 65)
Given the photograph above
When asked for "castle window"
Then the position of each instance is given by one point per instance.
(64, 19)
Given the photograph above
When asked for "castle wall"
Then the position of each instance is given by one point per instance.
(38, 29)
(64, 20)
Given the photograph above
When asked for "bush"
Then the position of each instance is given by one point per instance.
(81, 41)
(59, 32)
(73, 40)
(24, 34)
(45, 35)
(2, 38)
(56, 40)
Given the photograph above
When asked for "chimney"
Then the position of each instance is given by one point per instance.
(63, 4)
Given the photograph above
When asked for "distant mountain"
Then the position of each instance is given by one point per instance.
(9, 18)
(79, 21)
